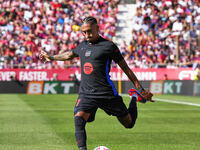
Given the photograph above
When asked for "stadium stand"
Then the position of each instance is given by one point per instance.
(166, 33)
(27, 27)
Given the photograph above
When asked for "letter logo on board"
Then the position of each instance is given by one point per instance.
(35, 87)
(156, 87)
(196, 91)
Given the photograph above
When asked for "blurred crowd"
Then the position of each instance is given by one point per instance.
(29, 26)
(160, 27)
(166, 33)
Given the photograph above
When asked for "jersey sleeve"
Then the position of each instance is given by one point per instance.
(116, 55)
(76, 50)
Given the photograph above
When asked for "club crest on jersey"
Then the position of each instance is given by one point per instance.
(88, 53)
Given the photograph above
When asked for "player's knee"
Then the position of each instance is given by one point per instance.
(130, 125)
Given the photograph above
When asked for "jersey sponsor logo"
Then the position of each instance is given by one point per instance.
(88, 53)
(88, 68)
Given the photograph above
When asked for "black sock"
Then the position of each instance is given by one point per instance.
(133, 110)
(83, 148)
(80, 132)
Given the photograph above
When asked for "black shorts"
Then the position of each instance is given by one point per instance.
(112, 106)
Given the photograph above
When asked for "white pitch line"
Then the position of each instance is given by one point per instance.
(177, 102)
(172, 101)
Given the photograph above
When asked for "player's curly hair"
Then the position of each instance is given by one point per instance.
(91, 20)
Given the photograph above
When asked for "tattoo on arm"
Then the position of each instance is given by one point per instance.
(64, 56)
(130, 74)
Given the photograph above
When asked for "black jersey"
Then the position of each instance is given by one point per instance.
(96, 60)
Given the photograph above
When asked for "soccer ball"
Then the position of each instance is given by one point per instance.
(101, 148)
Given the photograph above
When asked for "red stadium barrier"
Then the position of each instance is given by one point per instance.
(116, 74)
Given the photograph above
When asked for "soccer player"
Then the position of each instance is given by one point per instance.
(96, 89)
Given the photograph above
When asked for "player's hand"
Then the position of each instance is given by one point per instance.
(147, 95)
(44, 56)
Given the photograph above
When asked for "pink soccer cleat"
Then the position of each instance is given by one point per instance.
(135, 93)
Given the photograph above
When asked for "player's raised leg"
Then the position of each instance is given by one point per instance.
(129, 120)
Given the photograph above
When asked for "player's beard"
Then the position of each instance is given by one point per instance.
(90, 40)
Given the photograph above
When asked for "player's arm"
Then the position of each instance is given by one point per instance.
(146, 94)
(61, 57)
(123, 65)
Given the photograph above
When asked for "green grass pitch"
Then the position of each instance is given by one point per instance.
(45, 122)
